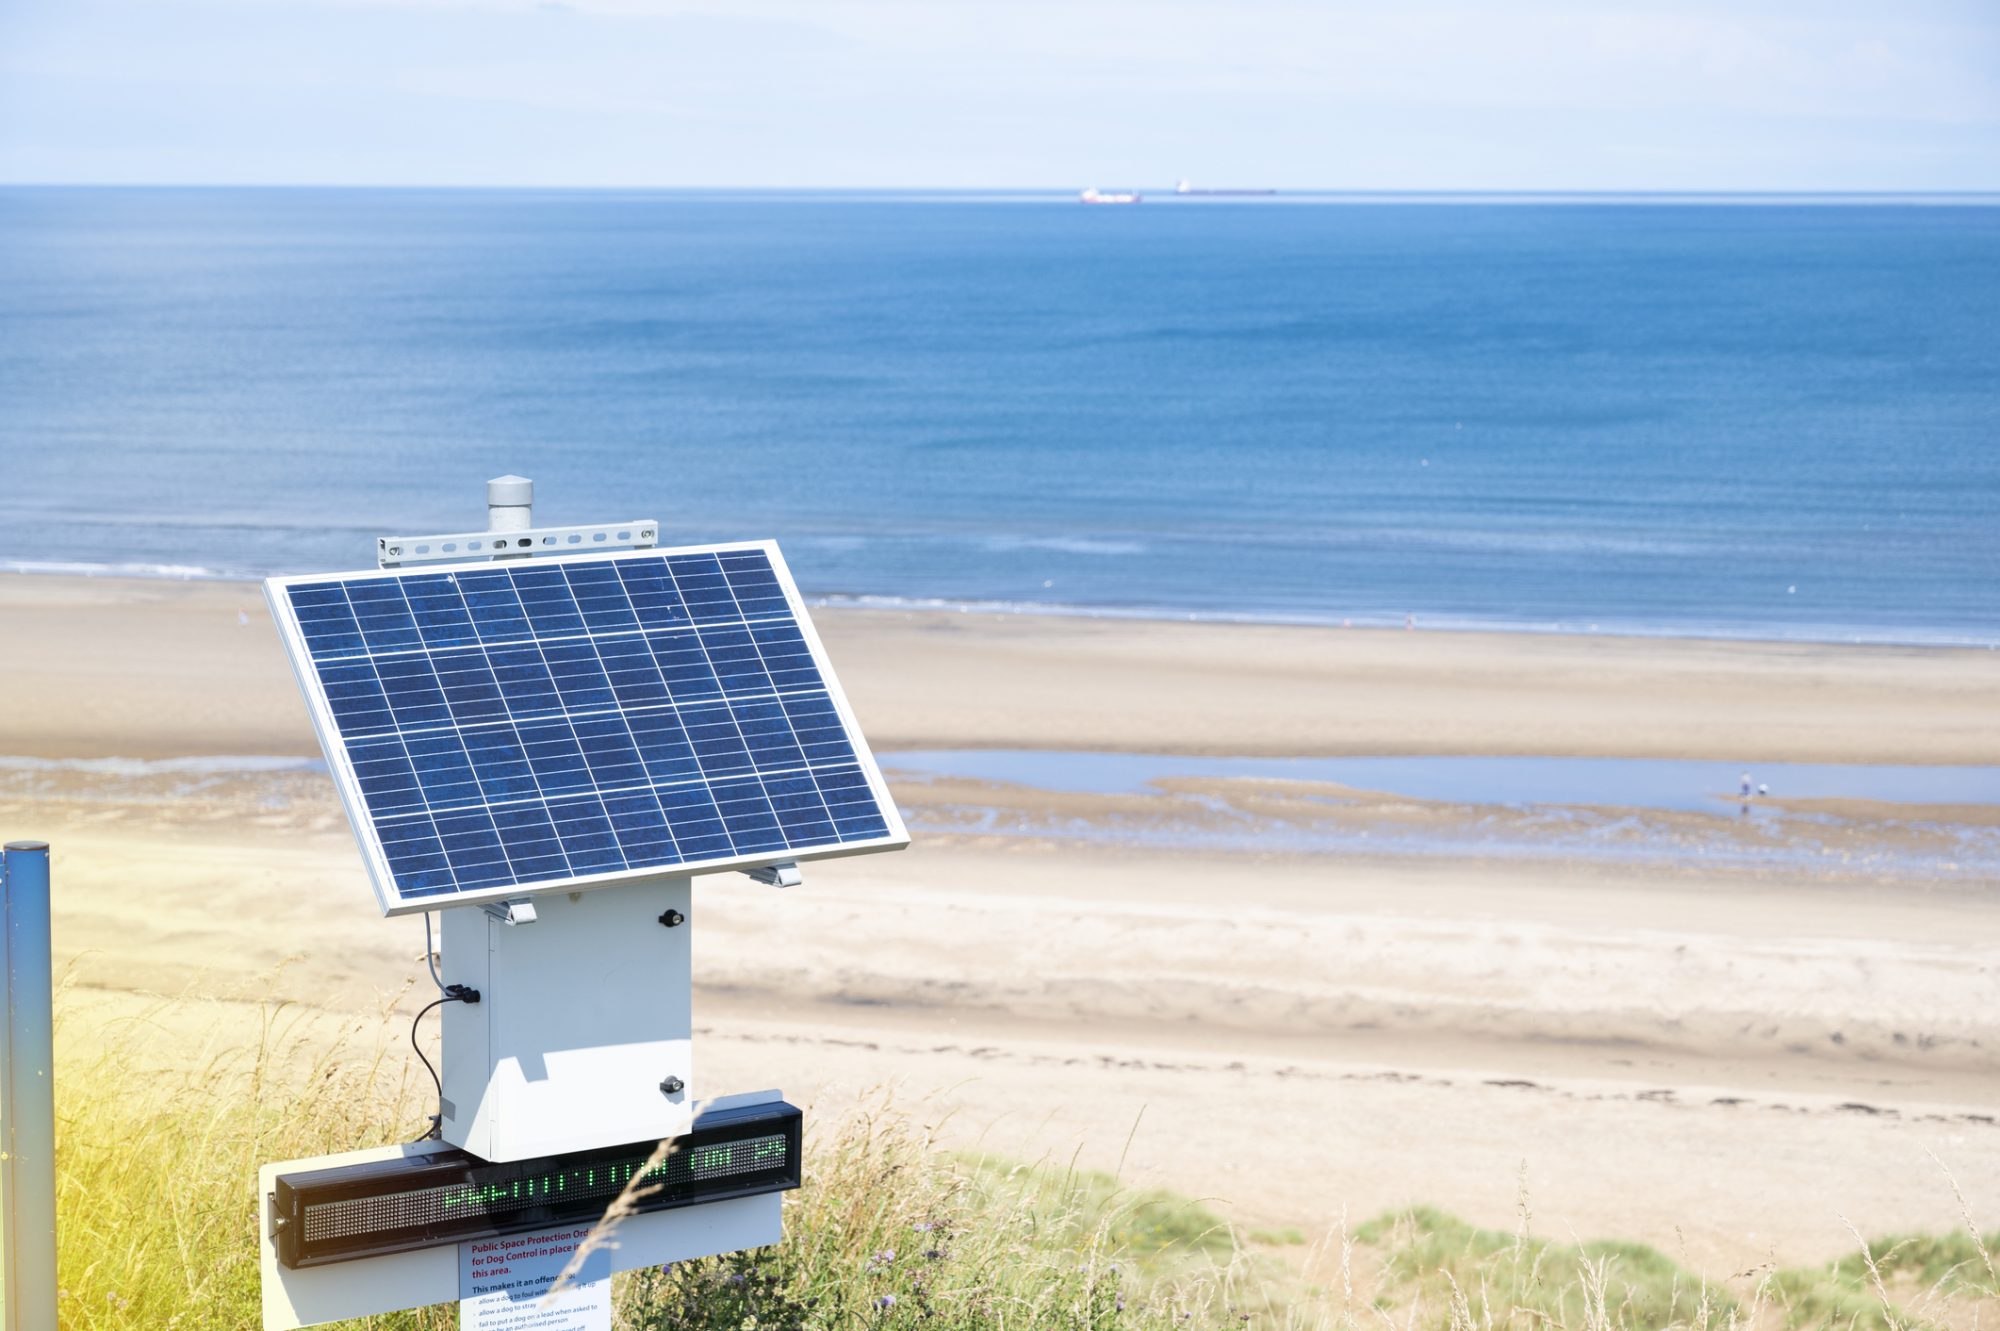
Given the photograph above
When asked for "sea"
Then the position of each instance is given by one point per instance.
(1761, 417)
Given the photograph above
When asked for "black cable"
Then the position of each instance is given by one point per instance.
(456, 993)
(437, 1120)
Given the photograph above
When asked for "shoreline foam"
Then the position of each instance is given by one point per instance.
(1830, 635)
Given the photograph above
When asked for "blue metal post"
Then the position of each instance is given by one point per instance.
(27, 1093)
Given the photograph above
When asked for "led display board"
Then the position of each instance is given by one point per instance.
(335, 1215)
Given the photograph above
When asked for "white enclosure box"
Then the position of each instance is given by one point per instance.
(581, 1036)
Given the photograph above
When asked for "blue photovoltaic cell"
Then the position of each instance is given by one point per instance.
(536, 722)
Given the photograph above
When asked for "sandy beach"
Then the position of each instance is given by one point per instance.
(1720, 1055)
(144, 669)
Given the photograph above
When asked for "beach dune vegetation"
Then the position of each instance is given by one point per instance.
(157, 1154)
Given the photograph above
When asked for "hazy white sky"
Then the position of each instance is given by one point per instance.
(1434, 94)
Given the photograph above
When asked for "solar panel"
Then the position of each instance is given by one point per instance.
(502, 728)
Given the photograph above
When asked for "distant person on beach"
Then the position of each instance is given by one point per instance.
(1746, 785)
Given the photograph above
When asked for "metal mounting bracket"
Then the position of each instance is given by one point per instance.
(785, 874)
(396, 551)
(520, 910)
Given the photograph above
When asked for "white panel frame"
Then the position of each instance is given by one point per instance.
(393, 902)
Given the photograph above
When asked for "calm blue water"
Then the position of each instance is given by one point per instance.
(1770, 420)
(1603, 809)
(1646, 783)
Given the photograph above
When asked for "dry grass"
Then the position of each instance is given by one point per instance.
(156, 1168)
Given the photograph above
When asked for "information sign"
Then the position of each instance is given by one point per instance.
(504, 1283)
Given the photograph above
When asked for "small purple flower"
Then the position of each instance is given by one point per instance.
(886, 1301)
(1120, 1307)
(923, 1226)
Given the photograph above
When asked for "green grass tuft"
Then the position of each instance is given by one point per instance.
(1278, 1238)
(1917, 1272)
(1482, 1277)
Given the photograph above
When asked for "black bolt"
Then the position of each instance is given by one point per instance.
(672, 1086)
(672, 918)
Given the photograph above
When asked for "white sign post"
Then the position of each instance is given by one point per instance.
(504, 1284)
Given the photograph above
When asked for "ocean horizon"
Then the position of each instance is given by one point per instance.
(1742, 416)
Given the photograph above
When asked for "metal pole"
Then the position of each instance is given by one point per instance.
(27, 1083)
(10, 1312)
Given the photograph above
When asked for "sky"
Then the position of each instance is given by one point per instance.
(1748, 95)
